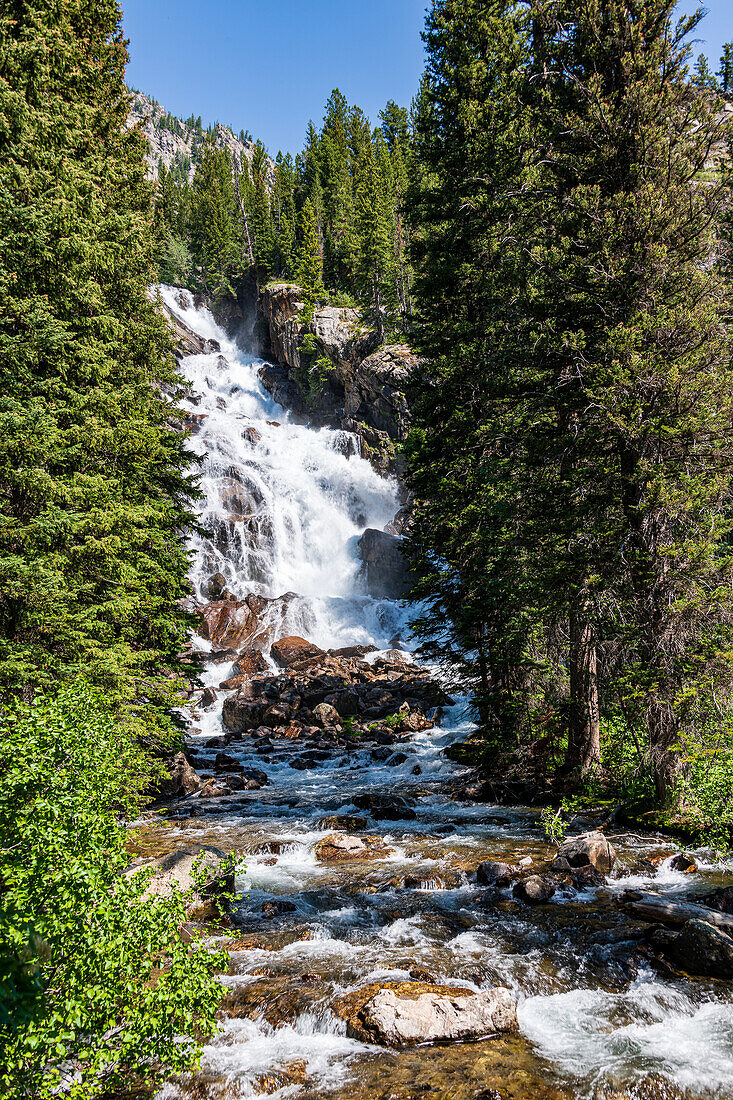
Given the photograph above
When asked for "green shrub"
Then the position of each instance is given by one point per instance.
(96, 986)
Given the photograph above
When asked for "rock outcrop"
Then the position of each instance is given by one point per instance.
(400, 1014)
(321, 692)
(332, 370)
(384, 571)
(180, 780)
(175, 142)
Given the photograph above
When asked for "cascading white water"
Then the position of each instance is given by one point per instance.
(282, 509)
(283, 504)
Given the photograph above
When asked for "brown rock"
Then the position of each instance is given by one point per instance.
(493, 874)
(287, 652)
(341, 848)
(343, 822)
(684, 862)
(535, 890)
(181, 779)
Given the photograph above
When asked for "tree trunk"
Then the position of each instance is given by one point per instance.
(663, 733)
(584, 731)
(250, 254)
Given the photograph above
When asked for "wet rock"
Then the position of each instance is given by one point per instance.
(215, 585)
(202, 873)
(384, 807)
(400, 1014)
(644, 868)
(326, 715)
(208, 698)
(703, 949)
(224, 762)
(588, 849)
(353, 651)
(292, 651)
(384, 571)
(233, 624)
(493, 874)
(255, 775)
(343, 822)
(396, 759)
(434, 880)
(180, 780)
(534, 890)
(342, 847)
(684, 862)
(583, 878)
(251, 435)
(414, 723)
(250, 662)
(272, 909)
(278, 715)
(721, 899)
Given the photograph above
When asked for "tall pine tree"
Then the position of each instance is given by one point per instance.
(93, 497)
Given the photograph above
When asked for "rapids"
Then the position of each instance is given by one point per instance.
(282, 509)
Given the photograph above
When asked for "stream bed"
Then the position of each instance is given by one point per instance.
(283, 508)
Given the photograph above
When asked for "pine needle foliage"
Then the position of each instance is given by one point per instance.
(93, 490)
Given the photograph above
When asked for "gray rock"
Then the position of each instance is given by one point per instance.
(702, 949)
(181, 779)
(588, 849)
(535, 890)
(407, 1013)
(326, 715)
(493, 874)
(201, 873)
(384, 571)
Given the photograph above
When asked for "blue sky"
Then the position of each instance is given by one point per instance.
(268, 66)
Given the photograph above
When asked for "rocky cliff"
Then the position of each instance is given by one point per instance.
(178, 143)
(331, 369)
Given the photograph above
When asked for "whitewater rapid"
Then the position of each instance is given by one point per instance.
(282, 510)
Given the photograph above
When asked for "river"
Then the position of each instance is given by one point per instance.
(283, 507)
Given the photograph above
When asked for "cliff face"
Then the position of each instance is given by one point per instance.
(175, 142)
(332, 370)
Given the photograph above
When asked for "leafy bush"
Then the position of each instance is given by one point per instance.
(97, 988)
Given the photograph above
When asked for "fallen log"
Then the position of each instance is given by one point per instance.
(658, 909)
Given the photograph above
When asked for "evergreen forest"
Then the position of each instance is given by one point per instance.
(547, 229)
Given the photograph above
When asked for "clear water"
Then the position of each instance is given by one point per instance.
(283, 508)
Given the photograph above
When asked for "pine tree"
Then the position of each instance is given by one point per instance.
(309, 265)
(466, 470)
(375, 262)
(725, 72)
(215, 227)
(260, 215)
(338, 199)
(283, 213)
(94, 498)
(631, 315)
(396, 132)
(570, 465)
(703, 76)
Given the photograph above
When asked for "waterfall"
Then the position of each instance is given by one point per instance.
(283, 504)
